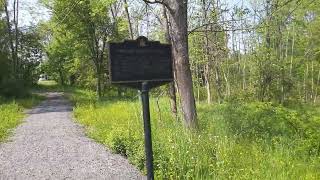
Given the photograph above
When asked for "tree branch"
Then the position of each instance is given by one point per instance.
(158, 2)
(225, 30)
(212, 23)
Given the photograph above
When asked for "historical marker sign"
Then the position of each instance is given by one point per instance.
(141, 64)
(135, 61)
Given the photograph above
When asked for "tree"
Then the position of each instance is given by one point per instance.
(178, 11)
(172, 88)
(90, 26)
(20, 52)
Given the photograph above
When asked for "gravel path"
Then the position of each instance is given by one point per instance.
(49, 145)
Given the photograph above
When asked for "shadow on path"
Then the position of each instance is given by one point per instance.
(55, 103)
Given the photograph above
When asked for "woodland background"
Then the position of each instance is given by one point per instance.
(252, 68)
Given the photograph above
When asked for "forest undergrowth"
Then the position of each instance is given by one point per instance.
(235, 140)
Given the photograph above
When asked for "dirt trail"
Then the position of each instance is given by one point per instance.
(49, 145)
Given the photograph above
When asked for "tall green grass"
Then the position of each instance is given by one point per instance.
(10, 116)
(11, 112)
(234, 141)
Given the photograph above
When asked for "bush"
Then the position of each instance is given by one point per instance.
(13, 88)
(262, 120)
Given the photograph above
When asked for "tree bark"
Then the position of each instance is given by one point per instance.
(179, 31)
(16, 19)
(128, 18)
(266, 78)
(244, 82)
(312, 81)
(172, 88)
(316, 91)
(207, 54)
(292, 50)
(100, 65)
(61, 77)
(306, 73)
(178, 11)
(99, 89)
(10, 37)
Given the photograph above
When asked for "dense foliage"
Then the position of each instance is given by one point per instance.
(20, 54)
(267, 51)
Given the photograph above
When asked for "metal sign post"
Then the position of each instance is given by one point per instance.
(147, 130)
(143, 65)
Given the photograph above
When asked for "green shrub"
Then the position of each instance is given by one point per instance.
(13, 88)
(260, 120)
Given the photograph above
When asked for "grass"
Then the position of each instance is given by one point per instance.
(235, 140)
(50, 86)
(11, 109)
(48, 83)
(11, 112)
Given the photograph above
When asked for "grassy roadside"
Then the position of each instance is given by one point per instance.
(235, 140)
(11, 112)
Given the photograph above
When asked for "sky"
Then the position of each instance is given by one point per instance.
(31, 12)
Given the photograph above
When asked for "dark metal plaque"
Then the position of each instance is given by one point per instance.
(135, 61)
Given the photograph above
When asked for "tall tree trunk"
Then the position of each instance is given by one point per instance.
(316, 91)
(125, 2)
(172, 88)
(10, 38)
(128, 18)
(218, 82)
(61, 77)
(207, 79)
(312, 81)
(197, 81)
(284, 94)
(292, 49)
(227, 92)
(16, 19)
(306, 73)
(178, 10)
(179, 25)
(207, 54)
(279, 45)
(99, 87)
(244, 83)
(266, 78)
(100, 67)
(226, 75)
